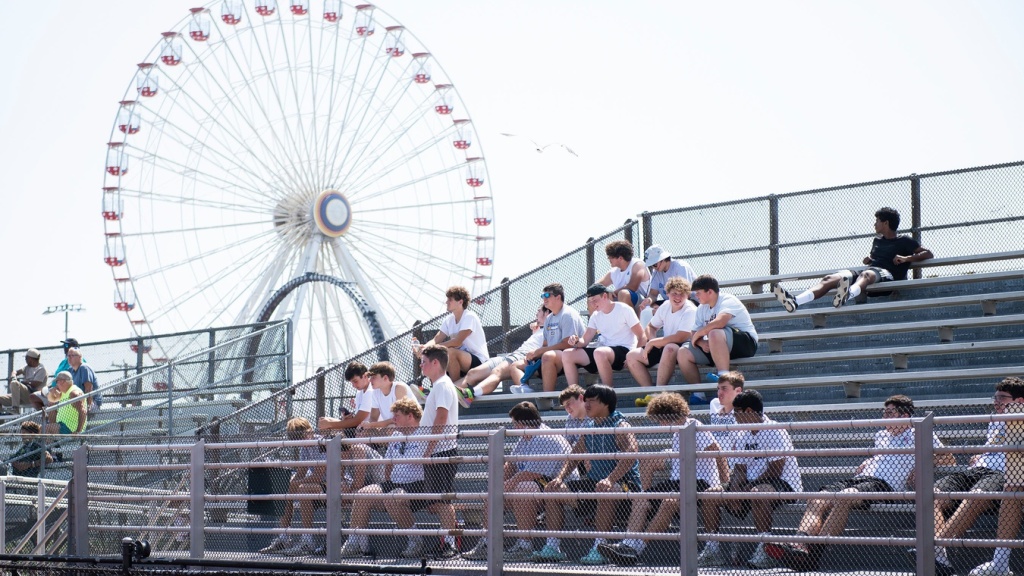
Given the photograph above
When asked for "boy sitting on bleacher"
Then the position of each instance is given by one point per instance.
(665, 409)
(880, 473)
(751, 474)
(889, 260)
(402, 479)
(28, 460)
(305, 480)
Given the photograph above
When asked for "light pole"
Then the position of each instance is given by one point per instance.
(66, 309)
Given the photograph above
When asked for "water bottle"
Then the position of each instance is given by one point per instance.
(416, 346)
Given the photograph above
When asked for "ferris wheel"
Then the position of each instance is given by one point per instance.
(292, 161)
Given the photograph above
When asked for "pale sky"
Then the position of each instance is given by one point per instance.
(667, 104)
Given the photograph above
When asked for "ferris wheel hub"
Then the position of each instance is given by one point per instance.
(332, 213)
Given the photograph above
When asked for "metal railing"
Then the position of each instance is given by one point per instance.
(952, 213)
(891, 522)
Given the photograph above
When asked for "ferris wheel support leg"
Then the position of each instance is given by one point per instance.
(352, 272)
(307, 264)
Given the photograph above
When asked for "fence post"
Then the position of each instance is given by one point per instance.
(496, 501)
(924, 481)
(3, 518)
(170, 398)
(139, 353)
(627, 231)
(590, 261)
(688, 499)
(334, 517)
(78, 508)
(647, 230)
(197, 489)
(506, 313)
(773, 219)
(288, 356)
(915, 211)
(211, 369)
(321, 393)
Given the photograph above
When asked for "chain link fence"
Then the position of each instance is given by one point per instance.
(891, 492)
(956, 213)
(505, 313)
(117, 360)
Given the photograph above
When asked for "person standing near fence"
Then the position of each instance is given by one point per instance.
(890, 258)
(441, 416)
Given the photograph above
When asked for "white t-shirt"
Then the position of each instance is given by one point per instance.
(531, 344)
(363, 401)
(442, 395)
(894, 468)
(616, 327)
(731, 305)
(383, 402)
(995, 437)
(769, 440)
(620, 278)
(672, 322)
(707, 468)
(476, 342)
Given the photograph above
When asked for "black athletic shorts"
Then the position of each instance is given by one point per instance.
(866, 484)
(440, 478)
(669, 486)
(415, 487)
(587, 508)
(976, 478)
(474, 362)
(779, 484)
(654, 356)
(617, 363)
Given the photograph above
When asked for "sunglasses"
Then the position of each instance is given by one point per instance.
(545, 294)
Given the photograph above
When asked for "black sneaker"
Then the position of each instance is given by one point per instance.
(447, 552)
(619, 554)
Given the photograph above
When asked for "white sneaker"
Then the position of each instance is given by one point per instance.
(842, 291)
(276, 546)
(300, 549)
(709, 557)
(760, 559)
(351, 550)
(414, 549)
(784, 298)
(990, 569)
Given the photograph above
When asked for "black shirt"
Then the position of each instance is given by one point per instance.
(883, 250)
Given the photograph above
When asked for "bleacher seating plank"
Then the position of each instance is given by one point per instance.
(818, 315)
(898, 353)
(945, 327)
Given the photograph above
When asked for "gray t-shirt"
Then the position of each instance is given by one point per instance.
(528, 446)
(560, 326)
(679, 268)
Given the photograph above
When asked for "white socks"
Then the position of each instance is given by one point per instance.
(854, 292)
(1001, 559)
(635, 544)
(553, 542)
(804, 297)
(478, 390)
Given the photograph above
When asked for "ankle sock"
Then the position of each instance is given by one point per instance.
(804, 297)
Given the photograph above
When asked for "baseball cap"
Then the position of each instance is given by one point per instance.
(597, 289)
(70, 343)
(655, 254)
(32, 353)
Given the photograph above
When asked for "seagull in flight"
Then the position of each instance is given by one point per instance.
(542, 147)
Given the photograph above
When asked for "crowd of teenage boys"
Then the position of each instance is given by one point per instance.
(645, 314)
